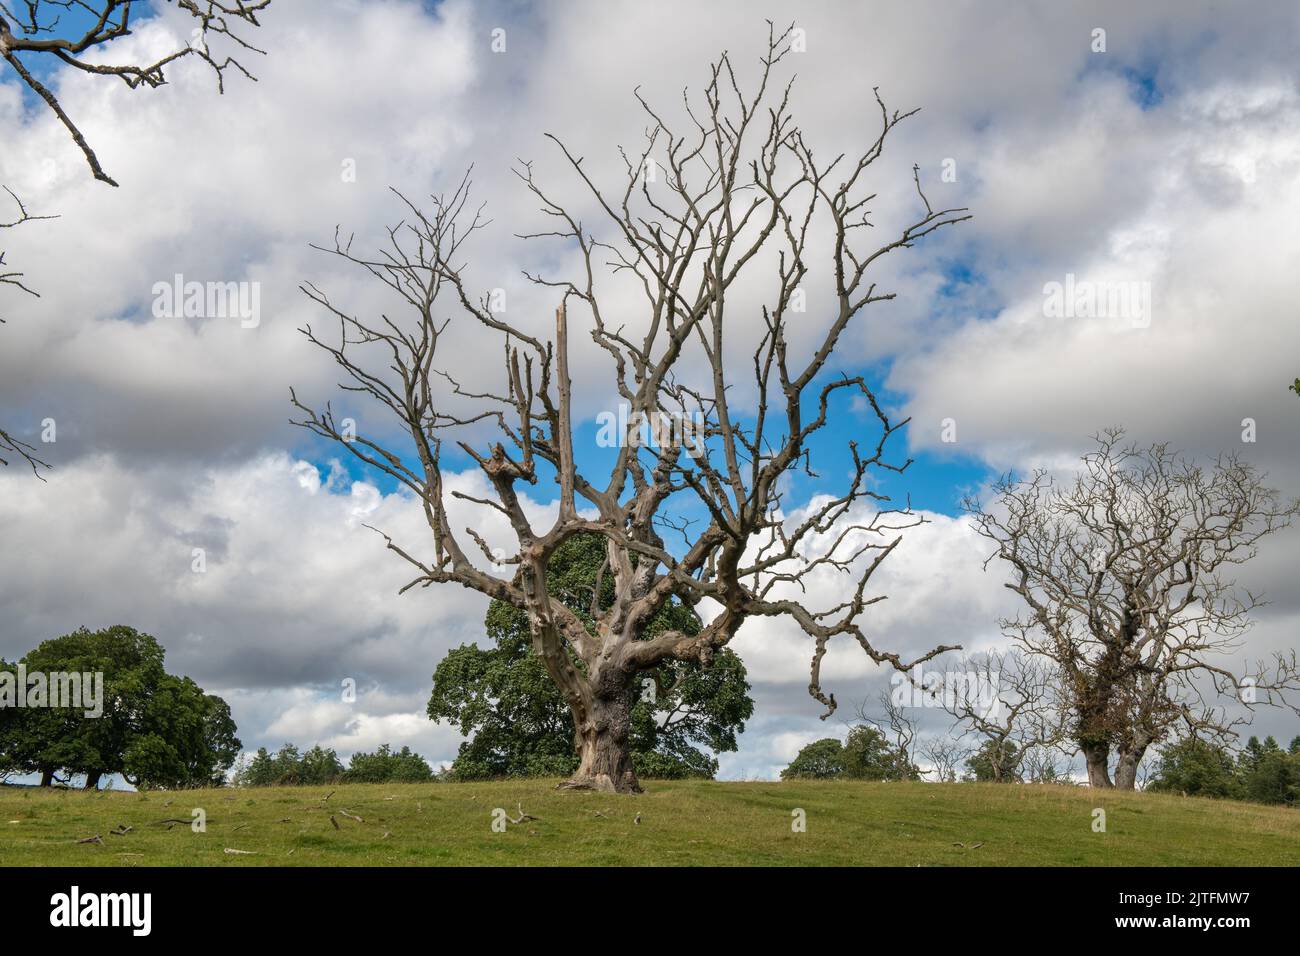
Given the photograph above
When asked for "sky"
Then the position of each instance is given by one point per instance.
(1169, 163)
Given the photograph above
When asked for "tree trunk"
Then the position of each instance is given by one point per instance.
(1096, 756)
(47, 778)
(602, 736)
(92, 779)
(1126, 768)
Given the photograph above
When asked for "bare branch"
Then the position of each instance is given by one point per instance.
(1125, 573)
(740, 183)
(34, 28)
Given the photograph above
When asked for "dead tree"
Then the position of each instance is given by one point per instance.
(74, 32)
(893, 725)
(945, 755)
(741, 182)
(1012, 703)
(1125, 574)
(1047, 765)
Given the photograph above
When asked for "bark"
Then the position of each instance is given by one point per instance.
(1126, 768)
(602, 724)
(47, 778)
(1097, 756)
(92, 779)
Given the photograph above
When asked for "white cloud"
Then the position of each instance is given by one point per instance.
(173, 433)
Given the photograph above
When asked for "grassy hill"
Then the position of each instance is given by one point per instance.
(895, 824)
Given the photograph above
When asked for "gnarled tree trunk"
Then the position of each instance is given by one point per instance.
(92, 779)
(600, 700)
(1126, 768)
(602, 724)
(1096, 756)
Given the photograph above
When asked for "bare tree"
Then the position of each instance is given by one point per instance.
(741, 181)
(1124, 574)
(1040, 764)
(945, 755)
(74, 31)
(1012, 702)
(895, 727)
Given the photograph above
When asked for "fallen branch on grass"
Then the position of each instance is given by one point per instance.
(522, 816)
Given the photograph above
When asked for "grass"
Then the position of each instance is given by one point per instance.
(861, 824)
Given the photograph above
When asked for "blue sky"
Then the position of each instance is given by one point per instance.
(936, 480)
(1172, 158)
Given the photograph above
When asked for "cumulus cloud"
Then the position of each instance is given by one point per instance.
(1171, 159)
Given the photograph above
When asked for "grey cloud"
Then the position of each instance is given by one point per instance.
(173, 433)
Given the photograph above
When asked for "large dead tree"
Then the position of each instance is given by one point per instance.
(739, 188)
(75, 32)
(1125, 572)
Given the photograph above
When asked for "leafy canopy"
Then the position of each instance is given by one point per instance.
(519, 722)
(156, 730)
(866, 754)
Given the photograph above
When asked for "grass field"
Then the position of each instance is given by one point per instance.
(895, 824)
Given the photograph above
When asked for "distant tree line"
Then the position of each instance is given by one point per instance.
(320, 765)
(866, 754)
(885, 744)
(1261, 771)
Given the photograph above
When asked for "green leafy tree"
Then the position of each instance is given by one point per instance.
(995, 762)
(47, 740)
(1252, 756)
(155, 729)
(259, 772)
(521, 725)
(283, 768)
(868, 755)
(820, 760)
(1197, 768)
(187, 739)
(388, 766)
(1268, 773)
(319, 766)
